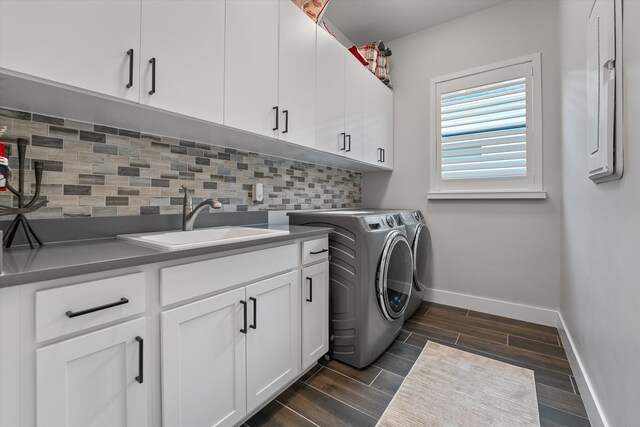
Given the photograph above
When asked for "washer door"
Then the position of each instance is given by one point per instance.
(422, 256)
(394, 276)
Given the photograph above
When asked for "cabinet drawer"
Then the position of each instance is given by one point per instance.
(198, 278)
(315, 250)
(69, 309)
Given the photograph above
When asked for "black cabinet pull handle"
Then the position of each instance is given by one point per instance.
(286, 121)
(255, 313)
(71, 314)
(130, 53)
(310, 299)
(244, 304)
(349, 149)
(319, 252)
(276, 110)
(152, 61)
(384, 155)
(140, 377)
(343, 135)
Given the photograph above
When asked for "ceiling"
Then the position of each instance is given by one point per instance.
(364, 21)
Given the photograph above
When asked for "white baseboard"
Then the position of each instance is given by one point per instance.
(591, 403)
(542, 316)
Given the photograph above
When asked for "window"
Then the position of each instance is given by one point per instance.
(486, 126)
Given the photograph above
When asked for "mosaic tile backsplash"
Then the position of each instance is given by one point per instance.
(95, 170)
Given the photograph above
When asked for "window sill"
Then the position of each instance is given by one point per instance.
(487, 195)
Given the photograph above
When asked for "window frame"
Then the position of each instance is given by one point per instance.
(531, 187)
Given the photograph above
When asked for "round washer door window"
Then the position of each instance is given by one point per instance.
(395, 276)
(422, 257)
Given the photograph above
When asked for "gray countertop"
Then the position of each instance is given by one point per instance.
(23, 265)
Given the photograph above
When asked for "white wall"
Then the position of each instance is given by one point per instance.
(505, 250)
(600, 292)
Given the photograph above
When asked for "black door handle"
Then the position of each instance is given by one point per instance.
(319, 252)
(276, 110)
(349, 149)
(344, 144)
(130, 53)
(286, 121)
(310, 299)
(244, 304)
(71, 314)
(140, 377)
(255, 313)
(152, 61)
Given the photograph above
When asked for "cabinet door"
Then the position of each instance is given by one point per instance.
(273, 340)
(354, 106)
(297, 73)
(78, 43)
(315, 313)
(251, 66)
(188, 81)
(330, 93)
(93, 380)
(203, 362)
(378, 122)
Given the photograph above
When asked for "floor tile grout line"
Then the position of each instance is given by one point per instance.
(343, 402)
(515, 361)
(457, 338)
(315, 373)
(296, 412)
(453, 332)
(374, 380)
(361, 382)
(489, 330)
(562, 410)
(401, 357)
(495, 342)
(405, 340)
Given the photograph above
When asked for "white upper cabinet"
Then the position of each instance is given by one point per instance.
(355, 76)
(94, 380)
(93, 45)
(297, 71)
(330, 94)
(174, 75)
(378, 122)
(251, 66)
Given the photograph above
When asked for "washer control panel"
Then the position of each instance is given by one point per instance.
(381, 222)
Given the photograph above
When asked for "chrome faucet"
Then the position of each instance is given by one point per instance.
(189, 214)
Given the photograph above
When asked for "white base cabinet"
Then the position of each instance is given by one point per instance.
(315, 313)
(209, 356)
(273, 338)
(95, 380)
(203, 362)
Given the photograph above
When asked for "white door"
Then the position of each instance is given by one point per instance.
(273, 340)
(251, 66)
(79, 43)
(297, 73)
(203, 362)
(315, 313)
(354, 106)
(330, 94)
(183, 43)
(378, 122)
(95, 379)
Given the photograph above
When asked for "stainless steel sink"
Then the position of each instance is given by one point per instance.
(202, 237)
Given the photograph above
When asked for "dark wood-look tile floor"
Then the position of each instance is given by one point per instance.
(335, 394)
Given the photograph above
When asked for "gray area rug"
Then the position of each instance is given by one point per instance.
(449, 387)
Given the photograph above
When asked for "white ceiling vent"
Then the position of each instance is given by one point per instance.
(604, 90)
